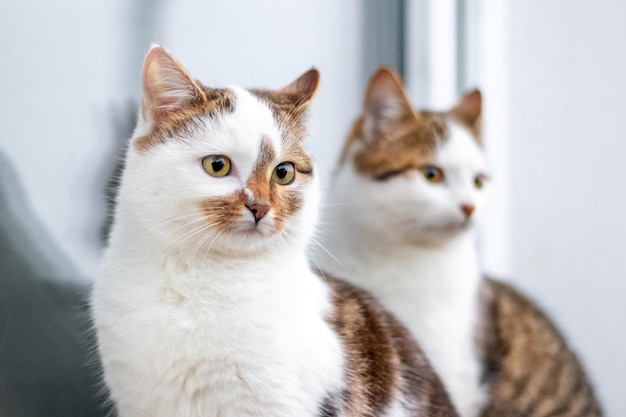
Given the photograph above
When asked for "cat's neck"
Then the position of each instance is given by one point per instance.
(414, 281)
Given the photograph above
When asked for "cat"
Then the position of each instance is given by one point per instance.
(205, 304)
(403, 206)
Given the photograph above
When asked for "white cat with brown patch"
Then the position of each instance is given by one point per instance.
(205, 304)
(405, 199)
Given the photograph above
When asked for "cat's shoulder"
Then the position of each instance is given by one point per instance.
(515, 316)
(508, 305)
(356, 306)
(384, 364)
(523, 350)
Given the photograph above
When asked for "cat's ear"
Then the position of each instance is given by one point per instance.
(386, 105)
(168, 88)
(469, 109)
(302, 90)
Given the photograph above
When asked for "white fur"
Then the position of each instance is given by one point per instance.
(192, 323)
(407, 241)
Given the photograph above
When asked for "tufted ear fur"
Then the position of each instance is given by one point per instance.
(302, 90)
(290, 103)
(468, 111)
(386, 105)
(168, 88)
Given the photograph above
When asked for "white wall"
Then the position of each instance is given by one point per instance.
(66, 72)
(568, 174)
(58, 82)
(553, 75)
(554, 78)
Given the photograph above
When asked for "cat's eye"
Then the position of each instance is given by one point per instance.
(216, 165)
(284, 173)
(479, 181)
(433, 174)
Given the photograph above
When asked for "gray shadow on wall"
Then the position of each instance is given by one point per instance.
(45, 342)
(122, 122)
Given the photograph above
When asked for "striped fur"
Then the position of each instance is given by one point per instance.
(528, 364)
(384, 364)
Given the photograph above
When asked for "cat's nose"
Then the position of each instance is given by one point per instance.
(467, 209)
(259, 210)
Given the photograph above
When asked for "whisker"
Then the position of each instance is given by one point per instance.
(200, 243)
(182, 237)
(184, 224)
(283, 242)
(186, 216)
(326, 250)
(319, 268)
(213, 241)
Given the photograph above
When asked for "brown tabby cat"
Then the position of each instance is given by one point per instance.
(405, 199)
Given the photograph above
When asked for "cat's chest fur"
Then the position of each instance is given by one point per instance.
(206, 334)
(434, 292)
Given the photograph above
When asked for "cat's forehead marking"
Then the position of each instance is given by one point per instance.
(289, 118)
(439, 125)
(279, 133)
(408, 146)
(250, 132)
(218, 101)
(253, 120)
(267, 154)
(445, 120)
(258, 182)
(461, 149)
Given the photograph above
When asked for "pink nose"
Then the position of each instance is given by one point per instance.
(467, 209)
(259, 210)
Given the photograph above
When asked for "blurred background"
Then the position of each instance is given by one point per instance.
(553, 75)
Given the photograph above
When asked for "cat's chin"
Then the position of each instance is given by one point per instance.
(440, 234)
(246, 242)
(455, 228)
(254, 231)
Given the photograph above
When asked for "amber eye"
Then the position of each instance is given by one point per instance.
(433, 174)
(216, 165)
(284, 173)
(479, 181)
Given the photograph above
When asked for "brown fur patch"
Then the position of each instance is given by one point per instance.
(409, 145)
(259, 182)
(406, 138)
(468, 112)
(222, 213)
(289, 199)
(290, 103)
(289, 118)
(383, 360)
(284, 200)
(295, 153)
(266, 155)
(225, 213)
(214, 102)
(530, 368)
